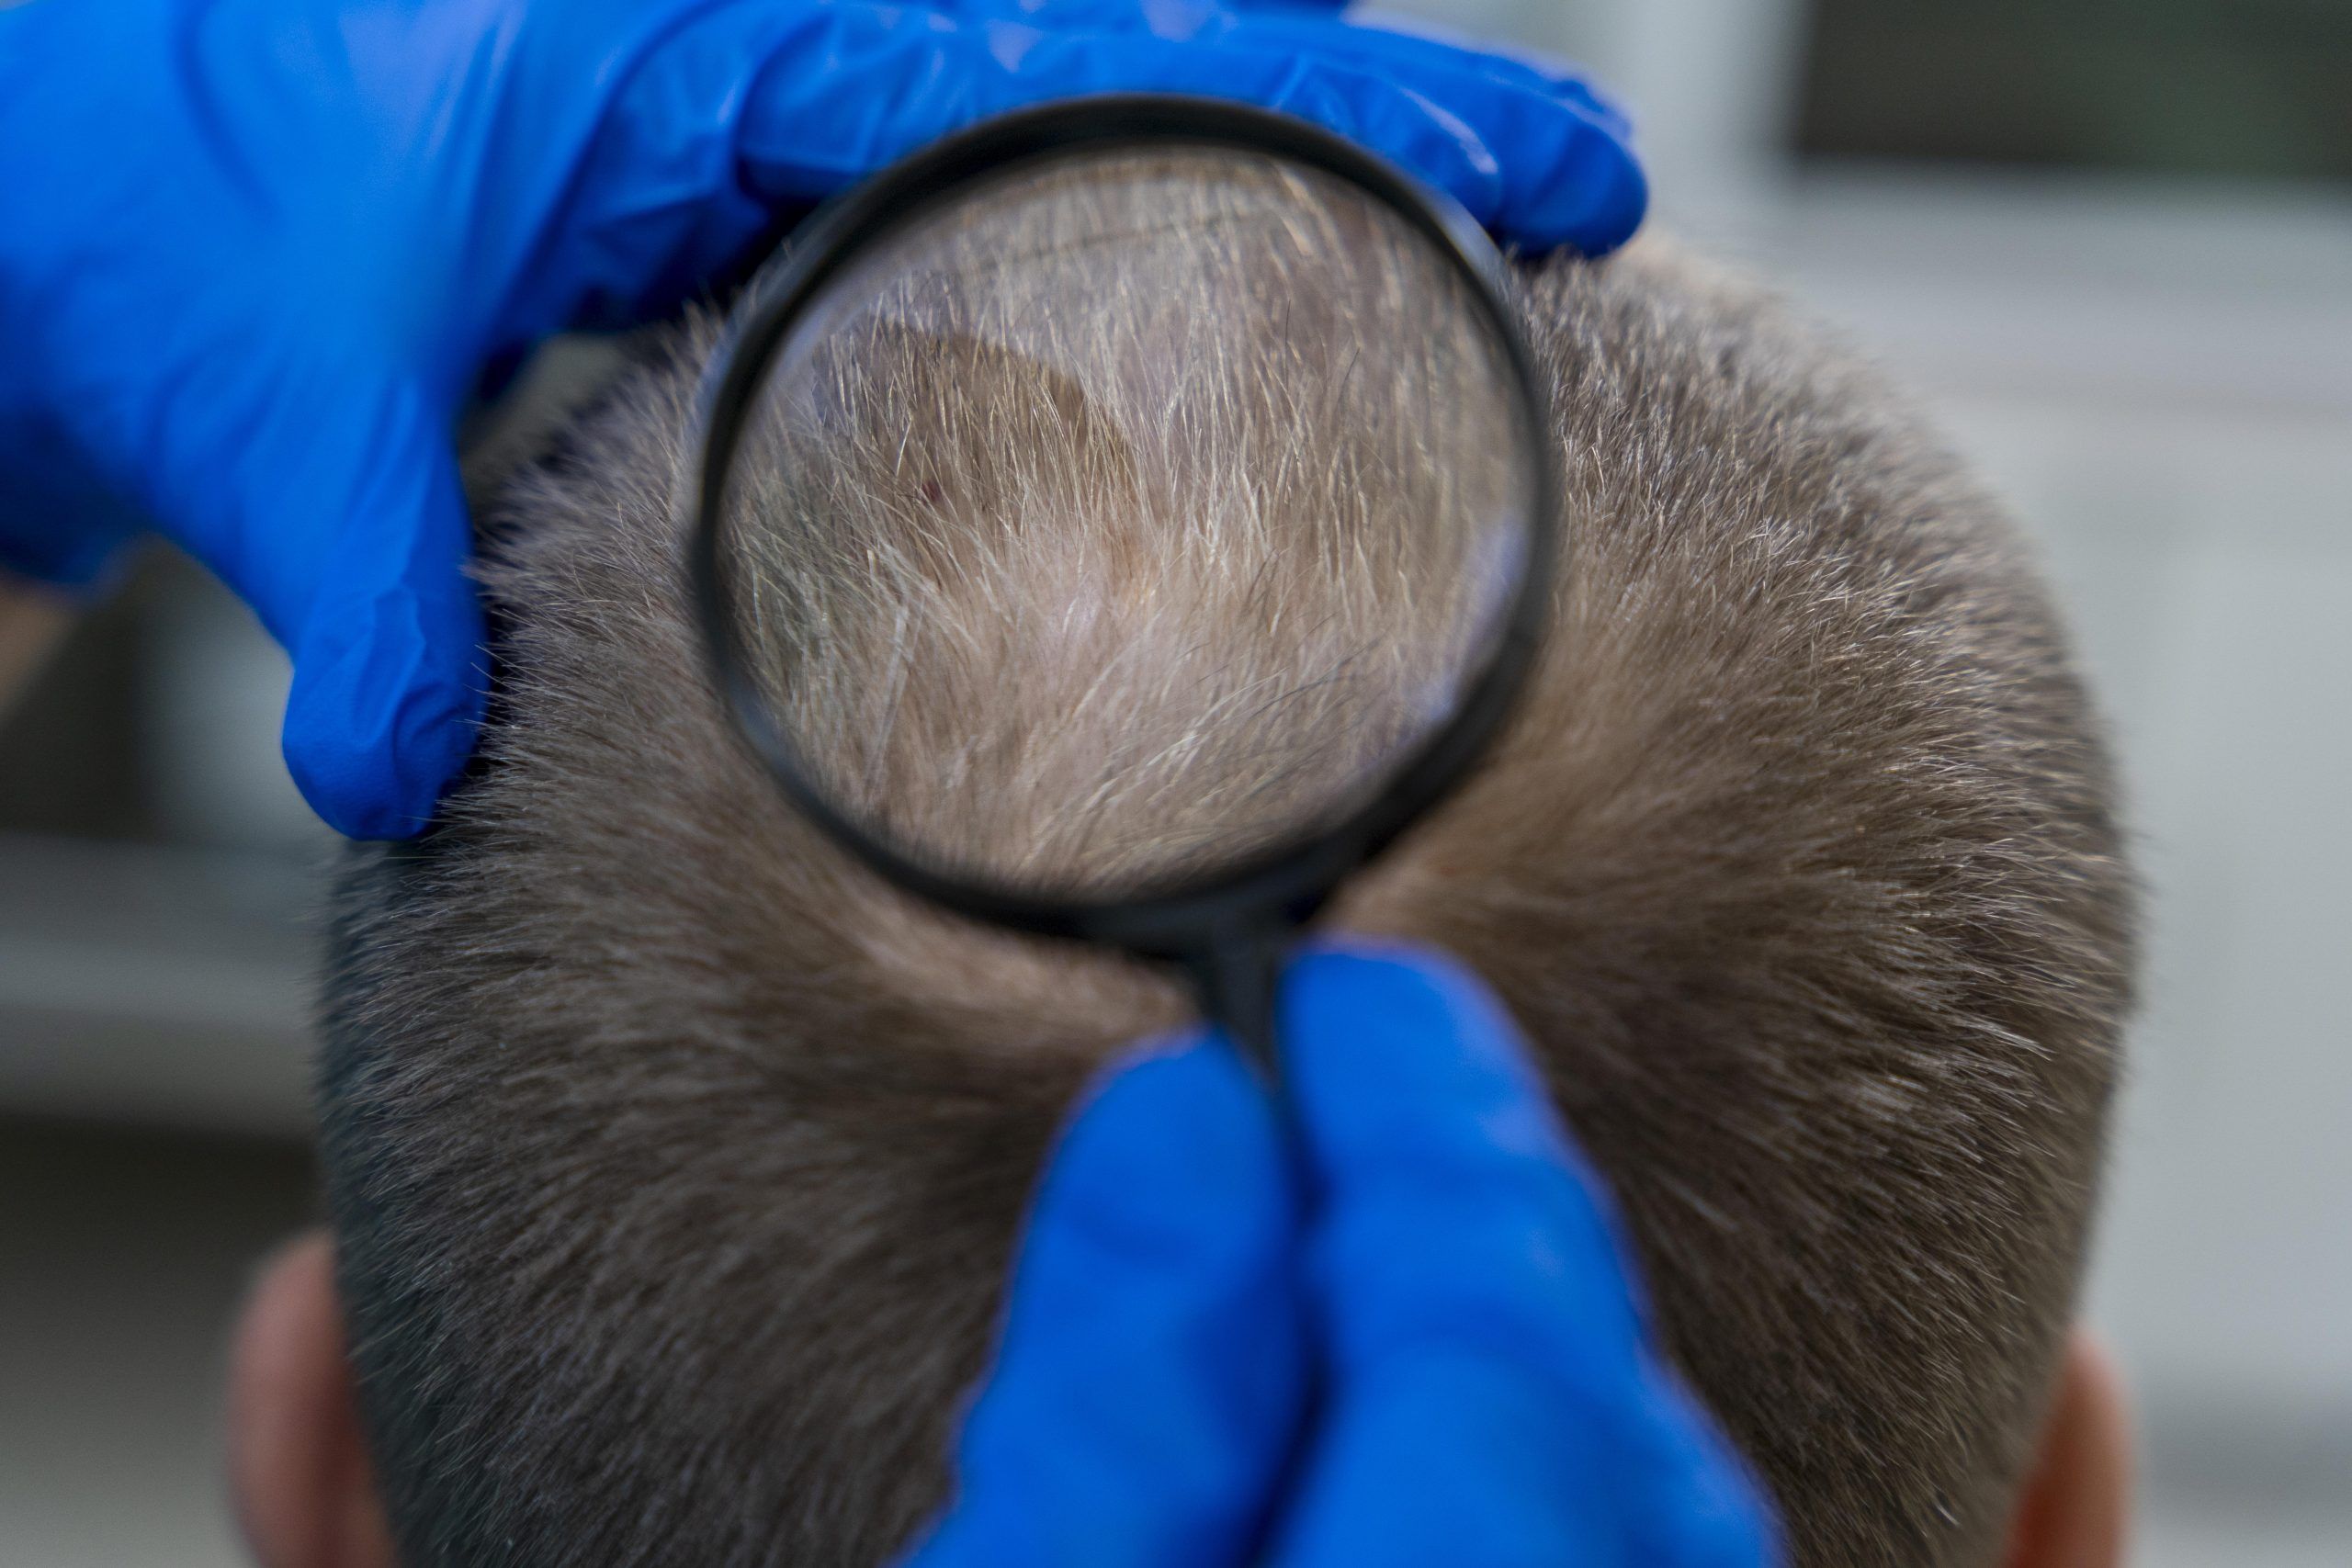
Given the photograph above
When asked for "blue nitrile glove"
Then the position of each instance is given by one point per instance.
(256, 255)
(1412, 1339)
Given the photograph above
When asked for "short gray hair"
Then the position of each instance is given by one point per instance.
(674, 1162)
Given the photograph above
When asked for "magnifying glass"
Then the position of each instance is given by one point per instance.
(1121, 520)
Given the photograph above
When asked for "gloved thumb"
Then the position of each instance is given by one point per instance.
(389, 670)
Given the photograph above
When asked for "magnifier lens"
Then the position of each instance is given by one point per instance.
(1123, 515)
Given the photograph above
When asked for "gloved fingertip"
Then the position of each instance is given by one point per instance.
(383, 714)
(1176, 1148)
(1431, 1134)
(1621, 200)
(1709, 1509)
(1725, 1522)
(1590, 198)
(1151, 1372)
(1358, 1013)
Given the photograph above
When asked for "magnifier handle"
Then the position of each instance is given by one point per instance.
(1236, 978)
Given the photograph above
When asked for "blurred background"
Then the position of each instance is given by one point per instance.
(2110, 241)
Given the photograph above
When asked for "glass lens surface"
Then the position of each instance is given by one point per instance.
(1124, 515)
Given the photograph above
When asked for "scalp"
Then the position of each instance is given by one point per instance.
(674, 1162)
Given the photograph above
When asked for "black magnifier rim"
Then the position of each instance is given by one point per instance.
(1289, 881)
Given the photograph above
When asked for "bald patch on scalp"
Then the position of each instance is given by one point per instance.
(675, 1163)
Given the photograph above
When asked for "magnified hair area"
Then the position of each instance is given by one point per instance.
(1053, 575)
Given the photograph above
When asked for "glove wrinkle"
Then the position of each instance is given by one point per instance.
(277, 219)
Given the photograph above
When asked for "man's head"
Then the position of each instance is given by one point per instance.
(674, 1162)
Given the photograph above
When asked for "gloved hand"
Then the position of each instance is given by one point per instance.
(256, 255)
(1410, 1339)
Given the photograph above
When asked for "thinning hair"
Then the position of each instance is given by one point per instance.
(676, 1161)
(1040, 558)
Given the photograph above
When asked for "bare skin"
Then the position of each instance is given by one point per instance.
(32, 622)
